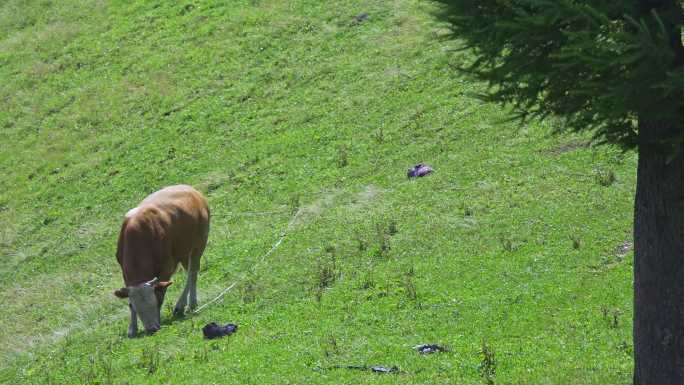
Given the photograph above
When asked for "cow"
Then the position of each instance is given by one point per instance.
(169, 227)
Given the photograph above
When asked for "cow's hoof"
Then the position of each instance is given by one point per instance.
(178, 312)
(132, 333)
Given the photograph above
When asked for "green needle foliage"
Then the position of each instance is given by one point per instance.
(597, 64)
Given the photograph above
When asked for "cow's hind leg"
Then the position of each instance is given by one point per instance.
(194, 269)
(192, 283)
(179, 309)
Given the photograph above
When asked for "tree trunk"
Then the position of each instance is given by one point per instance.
(658, 265)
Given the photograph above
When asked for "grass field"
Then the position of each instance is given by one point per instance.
(515, 253)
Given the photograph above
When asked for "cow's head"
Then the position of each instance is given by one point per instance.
(146, 300)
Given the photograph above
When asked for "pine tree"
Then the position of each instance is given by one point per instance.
(615, 68)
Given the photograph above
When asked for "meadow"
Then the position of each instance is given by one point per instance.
(299, 118)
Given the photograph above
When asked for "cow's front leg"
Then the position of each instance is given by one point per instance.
(133, 325)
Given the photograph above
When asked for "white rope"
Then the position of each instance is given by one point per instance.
(247, 213)
(260, 261)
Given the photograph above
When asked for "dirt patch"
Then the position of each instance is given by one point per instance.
(34, 37)
(62, 302)
(569, 146)
(359, 201)
(317, 207)
(623, 249)
(213, 182)
(364, 197)
(91, 229)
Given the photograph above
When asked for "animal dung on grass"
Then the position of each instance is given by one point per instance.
(213, 330)
(374, 369)
(361, 17)
(430, 348)
(419, 170)
(384, 369)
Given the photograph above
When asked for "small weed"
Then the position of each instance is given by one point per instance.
(487, 367)
(308, 28)
(330, 346)
(361, 243)
(627, 348)
(46, 378)
(508, 243)
(248, 291)
(106, 368)
(326, 275)
(191, 327)
(383, 235)
(149, 359)
(576, 241)
(410, 287)
(618, 158)
(90, 375)
(380, 135)
(392, 228)
(201, 354)
(375, 252)
(611, 317)
(605, 177)
(368, 282)
(413, 123)
(168, 307)
(342, 157)
(295, 203)
(99, 370)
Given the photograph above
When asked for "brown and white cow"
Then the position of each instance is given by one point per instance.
(168, 227)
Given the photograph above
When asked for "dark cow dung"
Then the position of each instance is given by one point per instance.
(361, 17)
(212, 330)
(374, 369)
(383, 369)
(419, 170)
(430, 348)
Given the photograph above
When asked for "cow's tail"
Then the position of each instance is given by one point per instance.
(120, 243)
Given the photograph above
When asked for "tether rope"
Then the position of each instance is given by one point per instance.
(282, 236)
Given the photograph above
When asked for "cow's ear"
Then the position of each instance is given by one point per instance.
(162, 284)
(121, 293)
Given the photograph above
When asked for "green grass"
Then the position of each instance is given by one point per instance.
(514, 245)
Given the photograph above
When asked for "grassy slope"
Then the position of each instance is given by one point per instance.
(270, 106)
